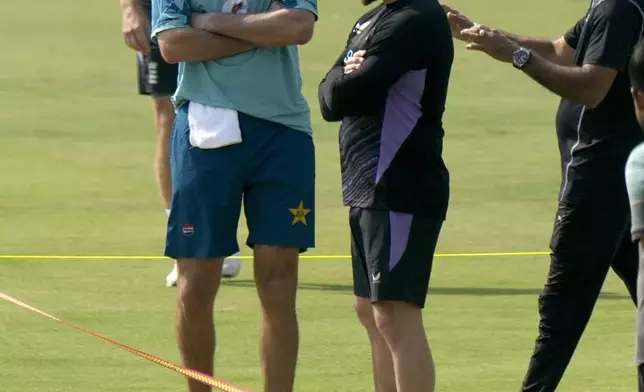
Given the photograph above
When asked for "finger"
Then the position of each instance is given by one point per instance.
(486, 33)
(143, 40)
(455, 19)
(355, 60)
(360, 53)
(474, 30)
(452, 15)
(470, 33)
(350, 68)
(477, 31)
(136, 42)
(129, 41)
(475, 47)
(446, 8)
(449, 9)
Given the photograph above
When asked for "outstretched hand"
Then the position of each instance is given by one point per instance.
(457, 22)
(490, 41)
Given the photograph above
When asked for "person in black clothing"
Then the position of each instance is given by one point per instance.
(597, 129)
(389, 88)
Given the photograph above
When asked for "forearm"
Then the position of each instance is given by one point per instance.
(354, 94)
(129, 4)
(571, 83)
(271, 29)
(188, 44)
(545, 48)
(327, 113)
(325, 95)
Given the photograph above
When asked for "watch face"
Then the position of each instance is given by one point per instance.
(521, 57)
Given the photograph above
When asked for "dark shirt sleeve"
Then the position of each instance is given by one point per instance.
(327, 114)
(573, 35)
(616, 27)
(394, 50)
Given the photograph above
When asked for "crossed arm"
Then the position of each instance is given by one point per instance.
(213, 36)
(278, 27)
(189, 44)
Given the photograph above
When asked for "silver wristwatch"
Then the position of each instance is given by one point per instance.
(521, 57)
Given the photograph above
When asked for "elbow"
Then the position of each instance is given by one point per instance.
(169, 53)
(328, 115)
(301, 26)
(303, 33)
(170, 45)
(593, 99)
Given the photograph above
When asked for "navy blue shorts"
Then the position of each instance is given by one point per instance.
(272, 171)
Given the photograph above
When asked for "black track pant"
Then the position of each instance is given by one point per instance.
(586, 243)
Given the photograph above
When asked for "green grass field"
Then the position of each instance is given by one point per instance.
(76, 178)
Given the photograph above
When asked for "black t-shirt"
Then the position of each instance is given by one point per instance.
(391, 138)
(595, 143)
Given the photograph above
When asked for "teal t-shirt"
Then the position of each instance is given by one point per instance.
(264, 83)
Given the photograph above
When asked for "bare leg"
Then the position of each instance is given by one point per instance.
(163, 119)
(401, 325)
(276, 279)
(198, 284)
(383, 366)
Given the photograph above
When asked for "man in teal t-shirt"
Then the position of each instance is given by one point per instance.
(242, 132)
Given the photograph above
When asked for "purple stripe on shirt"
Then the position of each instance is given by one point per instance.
(402, 112)
(399, 230)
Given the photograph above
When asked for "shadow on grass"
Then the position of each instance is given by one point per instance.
(474, 291)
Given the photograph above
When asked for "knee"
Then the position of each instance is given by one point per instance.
(276, 279)
(385, 320)
(196, 293)
(364, 311)
(395, 320)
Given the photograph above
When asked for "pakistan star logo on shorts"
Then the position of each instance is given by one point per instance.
(299, 214)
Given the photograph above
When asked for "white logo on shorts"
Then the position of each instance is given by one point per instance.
(376, 277)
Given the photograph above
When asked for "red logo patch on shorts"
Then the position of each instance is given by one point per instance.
(188, 229)
(237, 7)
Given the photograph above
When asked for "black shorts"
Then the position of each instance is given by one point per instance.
(640, 378)
(156, 77)
(392, 254)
